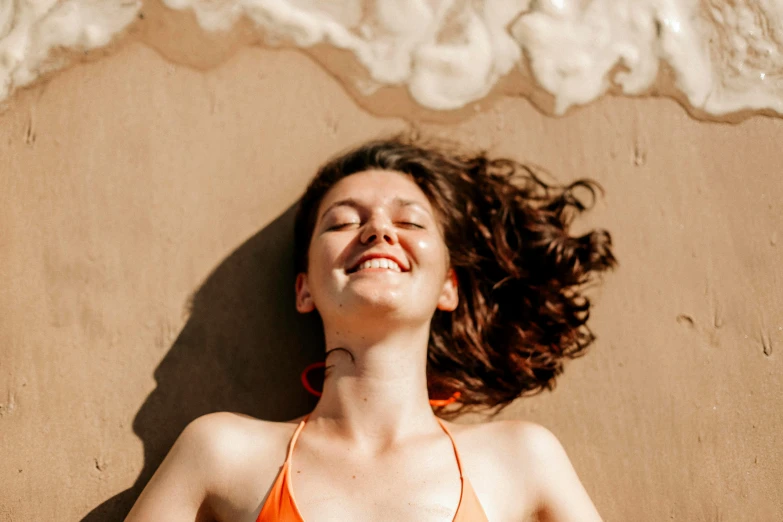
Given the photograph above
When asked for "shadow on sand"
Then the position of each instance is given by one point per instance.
(242, 350)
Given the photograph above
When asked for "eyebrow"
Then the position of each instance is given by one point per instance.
(348, 202)
(351, 202)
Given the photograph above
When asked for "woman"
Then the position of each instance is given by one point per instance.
(436, 274)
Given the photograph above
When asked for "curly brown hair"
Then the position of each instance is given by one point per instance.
(521, 275)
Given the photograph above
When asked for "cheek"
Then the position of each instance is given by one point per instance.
(432, 249)
(325, 255)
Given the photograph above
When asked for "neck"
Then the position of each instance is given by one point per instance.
(379, 395)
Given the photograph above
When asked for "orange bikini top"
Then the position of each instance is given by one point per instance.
(281, 507)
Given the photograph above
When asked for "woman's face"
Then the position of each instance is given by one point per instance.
(377, 248)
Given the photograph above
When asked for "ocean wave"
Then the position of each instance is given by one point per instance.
(720, 57)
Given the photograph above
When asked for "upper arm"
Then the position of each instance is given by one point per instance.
(561, 497)
(178, 489)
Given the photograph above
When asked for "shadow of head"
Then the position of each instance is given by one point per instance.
(242, 349)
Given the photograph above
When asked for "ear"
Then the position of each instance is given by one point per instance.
(304, 301)
(449, 296)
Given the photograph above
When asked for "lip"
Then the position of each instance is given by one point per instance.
(377, 255)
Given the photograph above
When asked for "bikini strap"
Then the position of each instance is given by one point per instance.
(294, 437)
(453, 445)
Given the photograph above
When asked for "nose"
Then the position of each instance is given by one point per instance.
(378, 229)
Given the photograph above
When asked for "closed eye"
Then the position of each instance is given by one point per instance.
(409, 224)
(341, 226)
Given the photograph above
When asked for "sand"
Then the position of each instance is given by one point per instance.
(145, 211)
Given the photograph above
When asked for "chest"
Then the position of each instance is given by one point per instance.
(422, 486)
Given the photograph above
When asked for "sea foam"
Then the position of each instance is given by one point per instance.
(723, 56)
(33, 31)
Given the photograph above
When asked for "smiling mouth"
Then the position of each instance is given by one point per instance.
(377, 264)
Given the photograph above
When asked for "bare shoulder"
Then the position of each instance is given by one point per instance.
(527, 441)
(222, 464)
(517, 446)
(520, 438)
(238, 449)
(227, 438)
(532, 458)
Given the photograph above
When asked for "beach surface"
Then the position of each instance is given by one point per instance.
(146, 210)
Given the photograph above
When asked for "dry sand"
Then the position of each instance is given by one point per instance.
(145, 265)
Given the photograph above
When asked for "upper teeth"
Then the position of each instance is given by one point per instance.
(379, 263)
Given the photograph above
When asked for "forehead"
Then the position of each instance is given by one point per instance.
(376, 187)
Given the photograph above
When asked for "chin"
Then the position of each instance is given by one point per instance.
(378, 303)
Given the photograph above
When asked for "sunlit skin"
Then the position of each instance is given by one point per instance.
(372, 448)
(381, 315)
